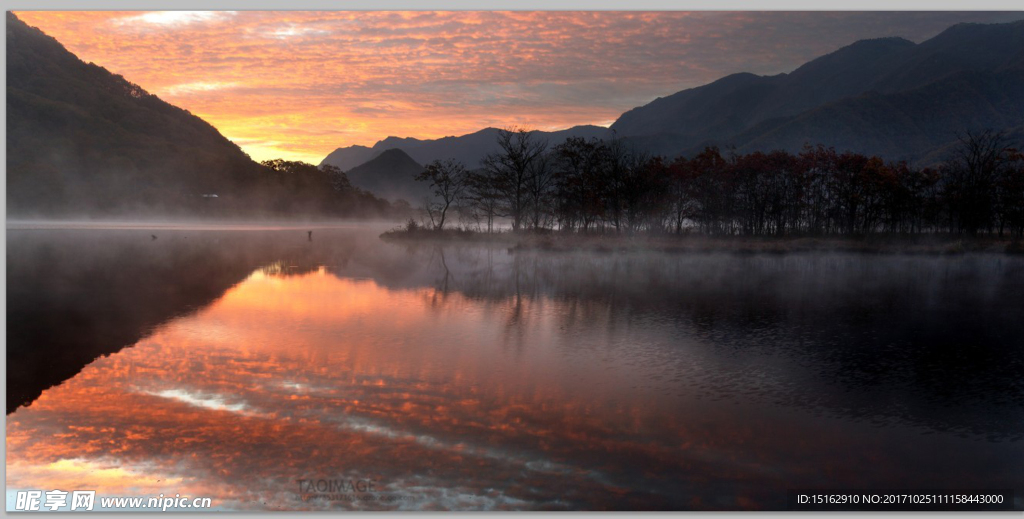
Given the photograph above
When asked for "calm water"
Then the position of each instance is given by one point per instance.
(232, 363)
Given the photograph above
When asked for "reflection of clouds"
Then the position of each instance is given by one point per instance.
(111, 474)
(241, 413)
(314, 376)
(362, 76)
(214, 402)
(443, 497)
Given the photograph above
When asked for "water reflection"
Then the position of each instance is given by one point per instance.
(74, 295)
(468, 377)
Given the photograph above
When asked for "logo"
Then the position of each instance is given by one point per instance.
(34, 500)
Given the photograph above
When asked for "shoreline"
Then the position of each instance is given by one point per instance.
(554, 241)
(25, 224)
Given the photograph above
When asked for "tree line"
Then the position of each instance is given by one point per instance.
(598, 185)
(294, 188)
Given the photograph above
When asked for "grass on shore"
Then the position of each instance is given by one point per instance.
(612, 242)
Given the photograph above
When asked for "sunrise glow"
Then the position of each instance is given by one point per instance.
(297, 85)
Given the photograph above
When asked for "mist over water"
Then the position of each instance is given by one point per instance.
(232, 360)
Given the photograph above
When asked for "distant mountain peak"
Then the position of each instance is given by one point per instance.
(392, 142)
(895, 41)
(740, 108)
(736, 108)
(391, 174)
(857, 53)
(468, 149)
(394, 155)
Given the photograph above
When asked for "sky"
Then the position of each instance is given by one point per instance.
(299, 84)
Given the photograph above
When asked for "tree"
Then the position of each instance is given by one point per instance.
(483, 197)
(616, 180)
(293, 187)
(711, 191)
(680, 190)
(580, 167)
(510, 170)
(339, 180)
(540, 187)
(448, 181)
(586, 185)
(1010, 196)
(971, 174)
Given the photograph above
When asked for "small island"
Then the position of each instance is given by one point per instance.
(602, 195)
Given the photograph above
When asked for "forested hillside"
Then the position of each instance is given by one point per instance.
(81, 140)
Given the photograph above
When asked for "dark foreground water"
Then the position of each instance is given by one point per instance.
(232, 363)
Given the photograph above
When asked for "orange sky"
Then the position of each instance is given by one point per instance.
(297, 85)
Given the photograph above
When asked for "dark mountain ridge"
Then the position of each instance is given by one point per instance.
(884, 96)
(81, 138)
(390, 175)
(842, 99)
(84, 141)
(469, 148)
(918, 124)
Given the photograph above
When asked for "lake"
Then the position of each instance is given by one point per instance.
(273, 371)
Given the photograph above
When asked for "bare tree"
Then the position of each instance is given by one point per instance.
(510, 170)
(971, 175)
(540, 187)
(583, 186)
(448, 180)
(483, 197)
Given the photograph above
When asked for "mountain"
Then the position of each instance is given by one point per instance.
(390, 175)
(735, 102)
(918, 124)
(80, 138)
(885, 96)
(469, 149)
(351, 156)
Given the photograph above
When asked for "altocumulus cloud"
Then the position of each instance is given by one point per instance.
(172, 19)
(299, 84)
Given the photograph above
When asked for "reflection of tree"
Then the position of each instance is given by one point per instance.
(441, 294)
(76, 295)
(856, 333)
(853, 334)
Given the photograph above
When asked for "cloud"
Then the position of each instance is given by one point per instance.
(172, 19)
(197, 87)
(292, 31)
(315, 81)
